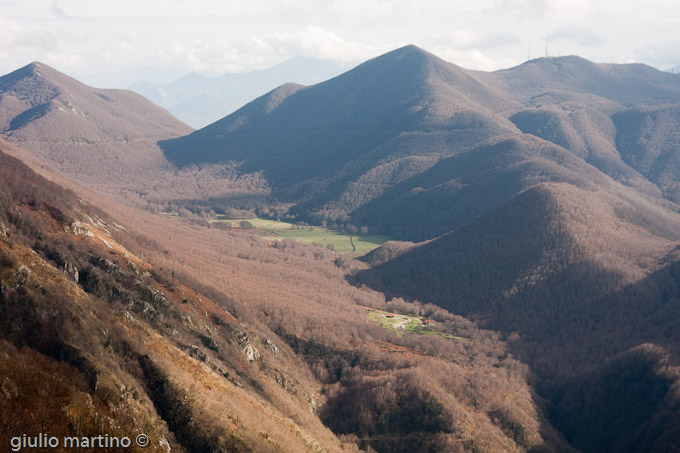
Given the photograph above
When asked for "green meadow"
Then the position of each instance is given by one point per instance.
(340, 242)
(404, 323)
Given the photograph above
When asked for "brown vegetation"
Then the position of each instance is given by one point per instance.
(564, 273)
(184, 325)
(550, 189)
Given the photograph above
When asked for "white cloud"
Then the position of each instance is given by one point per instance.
(563, 10)
(320, 43)
(664, 54)
(475, 40)
(64, 59)
(56, 9)
(8, 31)
(472, 58)
(214, 36)
(580, 36)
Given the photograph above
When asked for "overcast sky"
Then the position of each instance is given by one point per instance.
(176, 36)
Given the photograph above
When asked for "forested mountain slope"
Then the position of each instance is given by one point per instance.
(575, 278)
(334, 146)
(221, 342)
(99, 341)
(488, 268)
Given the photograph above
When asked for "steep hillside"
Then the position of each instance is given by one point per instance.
(460, 188)
(84, 132)
(620, 388)
(588, 109)
(587, 132)
(629, 403)
(105, 139)
(126, 348)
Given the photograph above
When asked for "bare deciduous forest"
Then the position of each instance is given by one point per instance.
(527, 302)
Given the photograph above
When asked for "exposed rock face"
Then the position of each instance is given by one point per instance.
(313, 406)
(71, 271)
(78, 229)
(22, 274)
(8, 389)
(248, 349)
(271, 346)
(240, 340)
(251, 352)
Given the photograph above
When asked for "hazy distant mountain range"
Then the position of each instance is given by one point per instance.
(200, 100)
(547, 197)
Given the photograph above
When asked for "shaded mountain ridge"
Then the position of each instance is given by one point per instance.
(573, 278)
(369, 137)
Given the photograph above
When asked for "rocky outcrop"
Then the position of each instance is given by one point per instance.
(72, 271)
(271, 346)
(78, 229)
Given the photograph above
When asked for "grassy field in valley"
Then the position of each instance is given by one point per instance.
(404, 323)
(338, 241)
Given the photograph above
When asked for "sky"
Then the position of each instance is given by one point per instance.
(165, 39)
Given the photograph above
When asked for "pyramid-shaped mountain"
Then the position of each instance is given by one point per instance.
(406, 109)
(343, 124)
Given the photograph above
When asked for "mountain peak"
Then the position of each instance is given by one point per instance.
(405, 90)
(38, 68)
(36, 74)
(622, 83)
(409, 55)
(413, 49)
(36, 64)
